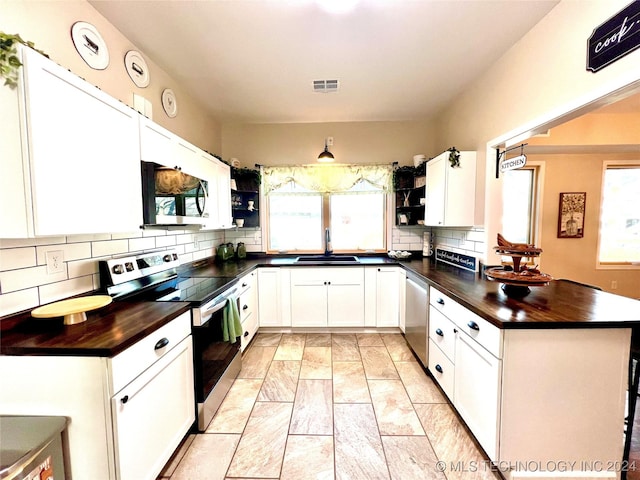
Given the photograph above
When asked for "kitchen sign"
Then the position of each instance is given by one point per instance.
(460, 260)
(513, 163)
(614, 38)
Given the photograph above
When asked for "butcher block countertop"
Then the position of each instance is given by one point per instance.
(561, 304)
(105, 333)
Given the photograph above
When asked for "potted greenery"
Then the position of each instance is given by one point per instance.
(247, 179)
(9, 61)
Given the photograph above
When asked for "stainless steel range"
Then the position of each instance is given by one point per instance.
(154, 277)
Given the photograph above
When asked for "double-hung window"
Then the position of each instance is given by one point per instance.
(620, 215)
(304, 201)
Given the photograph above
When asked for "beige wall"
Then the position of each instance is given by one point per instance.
(48, 25)
(575, 258)
(354, 142)
(541, 80)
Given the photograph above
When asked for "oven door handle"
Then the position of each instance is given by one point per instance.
(221, 301)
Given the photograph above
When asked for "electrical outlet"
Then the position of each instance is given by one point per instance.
(614, 284)
(55, 261)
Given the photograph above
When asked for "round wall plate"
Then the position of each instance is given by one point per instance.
(137, 68)
(169, 102)
(90, 45)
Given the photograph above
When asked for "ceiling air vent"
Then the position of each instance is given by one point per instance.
(325, 86)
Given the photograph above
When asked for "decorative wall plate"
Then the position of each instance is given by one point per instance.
(137, 68)
(90, 45)
(169, 102)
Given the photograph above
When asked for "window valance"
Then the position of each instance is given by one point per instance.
(327, 178)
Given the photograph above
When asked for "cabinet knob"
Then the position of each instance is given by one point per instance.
(246, 334)
(125, 399)
(473, 326)
(438, 368)
(163, 342)
(244, 284)
(439, 332)
(440, 301)
(245, 307)
(455, 330)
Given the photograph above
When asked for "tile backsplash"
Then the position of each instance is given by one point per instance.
(25, 282)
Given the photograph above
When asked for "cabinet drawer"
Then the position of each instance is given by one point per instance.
(246, 304)
(441, 368)
(137, 358)
(483, 332)
(441, 332)
(249, 329)
(334, 275)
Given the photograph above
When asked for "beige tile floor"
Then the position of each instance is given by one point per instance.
(331, 406)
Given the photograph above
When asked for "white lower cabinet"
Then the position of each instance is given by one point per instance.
(327, 296)
(383, 290)
(149, 412)
(127, 413)
(274, 296)
(533, 398)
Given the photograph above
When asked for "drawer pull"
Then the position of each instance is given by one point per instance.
(473, 325)
(163, 342)
(245, 307)
(440, 301)
(125, 399)
(455, 330)
(244, 285)
(438, 368)
(439, 332)
(246, 334)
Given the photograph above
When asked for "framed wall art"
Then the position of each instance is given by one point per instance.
(571, 214)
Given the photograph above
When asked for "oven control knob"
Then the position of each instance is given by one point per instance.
(118, 269)
(167, 258)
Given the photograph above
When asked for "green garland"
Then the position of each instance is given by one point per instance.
(454, 157)
(9, 61)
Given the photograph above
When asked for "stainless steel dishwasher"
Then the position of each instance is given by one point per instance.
(417, 308)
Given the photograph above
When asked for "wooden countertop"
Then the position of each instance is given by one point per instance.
(105, 333)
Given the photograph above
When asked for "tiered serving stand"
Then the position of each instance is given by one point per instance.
(517, 280)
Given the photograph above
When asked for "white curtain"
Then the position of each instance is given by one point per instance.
(327, 178)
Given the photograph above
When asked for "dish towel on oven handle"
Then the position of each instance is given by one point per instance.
(231, 326)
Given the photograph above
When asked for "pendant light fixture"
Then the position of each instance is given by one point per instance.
(325, 156)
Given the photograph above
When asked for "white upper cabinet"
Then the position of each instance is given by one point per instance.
(74, 164)
(223, 197)
(450, 197)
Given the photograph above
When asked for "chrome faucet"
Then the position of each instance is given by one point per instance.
(328, 250)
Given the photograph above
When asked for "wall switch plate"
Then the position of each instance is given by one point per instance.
(55, 261)
(329, 141)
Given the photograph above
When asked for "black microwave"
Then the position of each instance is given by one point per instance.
(173, 197)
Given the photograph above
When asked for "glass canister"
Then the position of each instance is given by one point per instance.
(230, 251)
(241, 250)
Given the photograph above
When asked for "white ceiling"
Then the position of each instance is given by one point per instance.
(255, 60)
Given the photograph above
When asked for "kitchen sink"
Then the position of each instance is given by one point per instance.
(327, 259)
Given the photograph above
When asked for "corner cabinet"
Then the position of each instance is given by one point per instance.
(450, 196)
(70, 156)
(245, 199)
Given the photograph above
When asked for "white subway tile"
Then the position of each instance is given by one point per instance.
(153, 233)
(17, 301)
(12, 258)
(96, 237)
(186, 258)
(118, 236)
(70, 251)
(166, 241)
(80, 268)
(14, 280)
(59, 290)
(480, 247)
(401, 246)
(137, 244)
(179, 249)
(111, 247)
(95, 278)
(415, 246)
(475, 235)
(184, 238)
(254, 248)
(17, 242)
(200, 254)
(50, 240)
